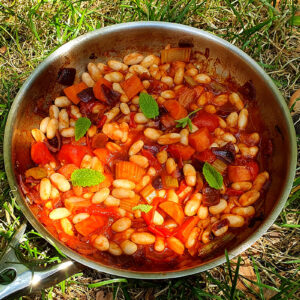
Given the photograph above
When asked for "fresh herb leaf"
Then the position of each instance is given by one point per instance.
(81, 127)
(212, 176)
(143, 207)
(148, 106)
(186, 121)
(86, 177)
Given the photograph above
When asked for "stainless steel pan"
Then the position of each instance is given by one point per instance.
(118, 40)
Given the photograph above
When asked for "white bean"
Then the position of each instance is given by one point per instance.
(128, 247)
(52, 128)
(121, 224)
(59, 213)
(124, 184)
(53, 112)
(94, 71)
(152, 133)
(101, 243)
(60, 181)
(133, 58)
(114, 77)
(62, 101)
(80, 217)
(117, 65)
(101, 195)
(45, 189)
(38, 135)
(87, 79)
(142, 238)
(44, 124)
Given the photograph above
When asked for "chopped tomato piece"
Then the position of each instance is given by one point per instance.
(98, 91)
(185, 229)
(90, 224)
(253, 168)
(176, 110)
(40, 153)
(132, 86)
(72, 154)
(153, 162)
(181, 151)
(67, 170)
(205, 119)
(72, 91)
(205, 156)
(103, 155)
(174, 210)
(239, 173)
(200, 139)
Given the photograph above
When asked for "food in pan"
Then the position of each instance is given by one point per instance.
(147, 161)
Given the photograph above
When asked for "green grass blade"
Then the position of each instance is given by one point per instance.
(107, 282)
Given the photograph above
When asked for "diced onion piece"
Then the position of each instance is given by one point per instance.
(219, 165)
(175, 54)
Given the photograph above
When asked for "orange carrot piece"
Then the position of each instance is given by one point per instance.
(186, 228)
(67, 170)
(200, 139)
(129, 203)
(239, 173)
(129, 170)
(98, 92)
(72, 91)
(76, 202)
(132, 86)
(174, 210)
(181, 151)
(89, 225)
(102, 154)
(176, 110)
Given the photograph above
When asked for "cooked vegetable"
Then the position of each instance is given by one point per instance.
(72, 91)
(72, 154)
(200, 140)
(174, 210)
(86, 95)
(181, 151)
(40, 153)
(129, 203)
(36, 173)
(98, 89)
(175, 54)
(226, 153)
(89, 225)
(132, 86)
(176, 110)
(219, 166)
(66, 76)
(129, 170)
(186, 97)
(205, 119)
(239, 173)
(169, 182)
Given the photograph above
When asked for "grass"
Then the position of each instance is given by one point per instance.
(267, 30)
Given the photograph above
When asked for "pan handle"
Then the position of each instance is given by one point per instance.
(26, 280)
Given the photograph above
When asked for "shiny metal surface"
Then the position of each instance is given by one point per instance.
(116, 41)
(27, 281)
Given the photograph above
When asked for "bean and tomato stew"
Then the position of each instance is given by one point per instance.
(146, 161)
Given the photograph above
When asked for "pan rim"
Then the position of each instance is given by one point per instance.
(264, 226)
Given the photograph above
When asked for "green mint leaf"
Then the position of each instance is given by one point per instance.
(212, 176)
(143, 207)
(186, 120)
(148, 106)
(86, 177)
(81, 127)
